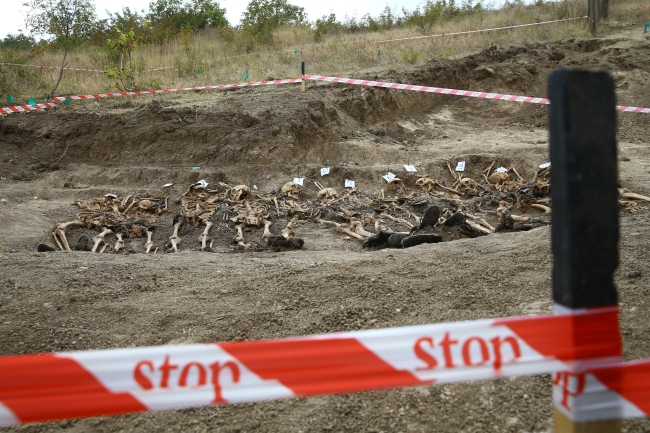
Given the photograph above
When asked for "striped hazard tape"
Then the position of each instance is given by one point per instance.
(385, 85)
(621, 391)
(456, 92)
(25, 108)
(80, 384)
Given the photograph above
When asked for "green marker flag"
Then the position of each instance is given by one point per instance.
(67, 101)
(378, 53)
(48, 99)
(246, 75)
(32, 101)
(198, 72)
(10, 99)
(295, 51)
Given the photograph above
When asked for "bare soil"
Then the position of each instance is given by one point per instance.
(265, 137)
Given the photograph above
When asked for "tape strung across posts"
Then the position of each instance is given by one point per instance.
(81, 384)
(340, 80)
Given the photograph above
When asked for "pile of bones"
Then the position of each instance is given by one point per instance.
(392, 217)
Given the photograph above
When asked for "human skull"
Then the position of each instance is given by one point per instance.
(327, 193)
(291, 190)
(395, 184)
(240, 192)
(426, 184)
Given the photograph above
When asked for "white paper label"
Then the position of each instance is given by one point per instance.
(167, 185)
(324, 171)
(501, 170)
(410, 168)
(389, 176)
(349, 183)
(460, 166)
(548, 164)
(254, 186)
(298, 180)
(204, 183)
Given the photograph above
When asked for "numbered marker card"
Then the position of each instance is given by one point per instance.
(324, 171)
(389, 176)
(204, 183)
(501, 170)
(460, 166)
(349, 183)
(167, 185)
(299, 180)
(548, 164)
(410, 168)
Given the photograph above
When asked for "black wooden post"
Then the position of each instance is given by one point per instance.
(302, 68)
(584, 193)
(593, 12)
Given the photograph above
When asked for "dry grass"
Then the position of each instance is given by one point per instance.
(343, 54)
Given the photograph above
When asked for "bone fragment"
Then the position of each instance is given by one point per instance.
(478, 227)
(120, 243)
(100, 238)
(626, 194)
(174, 239)
(546, 209)
(267, 232)
(481, 221)
(149, 244)
(239, 237)
(204, 235)
(59, 231)
(357, 226)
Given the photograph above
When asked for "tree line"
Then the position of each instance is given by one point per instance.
(67, 23)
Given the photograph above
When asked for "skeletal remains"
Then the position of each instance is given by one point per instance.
(378, 220)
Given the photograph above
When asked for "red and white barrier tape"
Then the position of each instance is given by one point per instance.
(467, 32)
(25, 108)
(616, 392)
(385, 85)
(80, 384)
(441, 90)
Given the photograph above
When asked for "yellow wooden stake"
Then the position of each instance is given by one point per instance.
(562, 424)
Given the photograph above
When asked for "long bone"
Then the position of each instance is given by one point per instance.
(627, 194)
(239, 237)
(100, 238)
(478, 227)
(204, 236)
(480, 221)
(340, 228)
(149, 244)
(174, 239)
(267, 232)
(398, 220)
(120, 242)
(357, 226)
(546, 209)
(59, 231)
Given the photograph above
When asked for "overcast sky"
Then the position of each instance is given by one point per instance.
(12, 16)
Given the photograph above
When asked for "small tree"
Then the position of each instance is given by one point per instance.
(124, 45)
(65, 22)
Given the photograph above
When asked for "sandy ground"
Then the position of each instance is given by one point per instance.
(81, 301)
